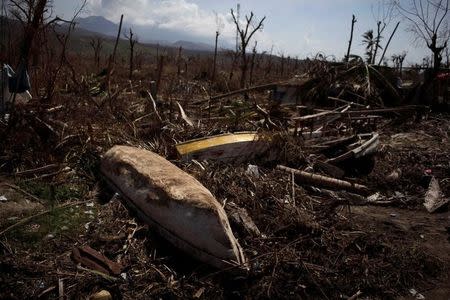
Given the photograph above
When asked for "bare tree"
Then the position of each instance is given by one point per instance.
(388, 43)
(31, 14)
(252, 62)
(219, 27)
(429, 22)
(132, 42)
(447, 54)
(97, 45)
(179, 59)
(351, 38)
(246, 32)
(383, 17)
(398, 59)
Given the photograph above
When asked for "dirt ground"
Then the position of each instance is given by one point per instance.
(325, 246)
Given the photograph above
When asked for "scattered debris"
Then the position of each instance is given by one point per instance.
(252, 170)
(394, 175)
(434, 199)
(240, 218)
(324, 181)
(94, 260)
(366, 145)
(237, 147)
(416, 294)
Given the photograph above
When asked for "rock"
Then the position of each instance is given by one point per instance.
(394, 175)
(239, 217)
(252, 170)
(177, 206)
(102, 295)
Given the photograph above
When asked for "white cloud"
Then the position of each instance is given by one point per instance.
(177, 15)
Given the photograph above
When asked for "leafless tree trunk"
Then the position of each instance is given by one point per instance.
(269, 62)
(377, 40)
(132, 42)
(447, 54)
(117, 40)
(215, 58)
(245, 35)
(112, 59)
(252, 63)
(389, 41)
(351, 38)
(97, 45)
(159, 74)
(180, 49)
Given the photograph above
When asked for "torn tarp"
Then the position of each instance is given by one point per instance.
(20, 82)
(14, 83)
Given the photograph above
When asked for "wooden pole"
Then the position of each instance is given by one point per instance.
(387, 45)
(215, 58)
(117, 40)
(325, 181)
(351, 38)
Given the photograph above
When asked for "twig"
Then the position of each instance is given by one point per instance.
(101, 274)
(184, 116)
(355, 296)
(154, 106)
(37, 170)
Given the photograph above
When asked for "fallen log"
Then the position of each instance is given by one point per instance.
(325, 181)
(177, 206)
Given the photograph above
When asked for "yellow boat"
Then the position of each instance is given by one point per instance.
(236, 146)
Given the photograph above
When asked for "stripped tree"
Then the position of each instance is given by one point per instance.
(429, 22)
(383, 17)
(132, 42)
(351, 38)
(246, 32)
(97, 45)
(219, 27)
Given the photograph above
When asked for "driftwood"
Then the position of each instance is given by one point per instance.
(325, 181)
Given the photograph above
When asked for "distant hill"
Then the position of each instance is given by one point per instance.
(193, 46)
(145, 34)
(98, 24)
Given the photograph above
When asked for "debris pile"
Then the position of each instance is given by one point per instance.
(301, 191)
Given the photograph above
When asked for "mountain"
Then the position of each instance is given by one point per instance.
(98, 24)
(145, 33)
(193, 46)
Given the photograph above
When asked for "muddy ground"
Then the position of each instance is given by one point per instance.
(323, 245)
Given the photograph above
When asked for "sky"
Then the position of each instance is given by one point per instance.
(300, 28)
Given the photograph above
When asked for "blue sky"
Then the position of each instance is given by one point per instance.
(294, 27)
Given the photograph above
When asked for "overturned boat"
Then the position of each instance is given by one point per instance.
(179, 207)
(236, 146)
